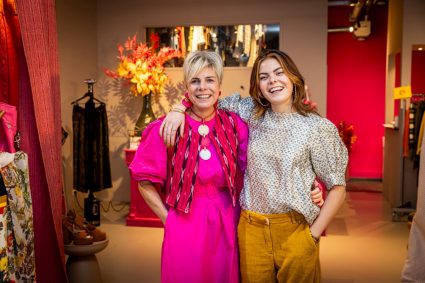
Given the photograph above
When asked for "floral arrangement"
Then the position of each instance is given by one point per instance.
(346, 132)
(142, 67)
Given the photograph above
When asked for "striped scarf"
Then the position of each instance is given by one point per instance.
(184, 159)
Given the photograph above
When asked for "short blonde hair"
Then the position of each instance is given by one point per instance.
(197, 61)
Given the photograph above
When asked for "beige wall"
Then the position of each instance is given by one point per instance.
(413, 33)
(303, 37)
(394, 46)
(77, 36)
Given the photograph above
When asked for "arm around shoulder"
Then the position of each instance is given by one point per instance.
(243, 106)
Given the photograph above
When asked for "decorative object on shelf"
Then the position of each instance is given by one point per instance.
(141, 68)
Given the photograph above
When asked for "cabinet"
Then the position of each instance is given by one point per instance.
(140, 213)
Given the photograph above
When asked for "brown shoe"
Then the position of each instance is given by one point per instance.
(98, 235)
(82, 238)
(67, 230)
(82, 224)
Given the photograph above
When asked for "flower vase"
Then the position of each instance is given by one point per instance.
(146, 115)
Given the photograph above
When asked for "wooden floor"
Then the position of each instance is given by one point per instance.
(362, 245)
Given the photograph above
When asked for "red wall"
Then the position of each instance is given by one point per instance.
(356, 87)
(418, 71)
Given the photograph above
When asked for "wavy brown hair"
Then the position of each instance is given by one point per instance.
(291, 71)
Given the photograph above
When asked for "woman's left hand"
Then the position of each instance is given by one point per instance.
(316, 194)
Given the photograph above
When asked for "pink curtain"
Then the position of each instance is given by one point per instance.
(39, 121)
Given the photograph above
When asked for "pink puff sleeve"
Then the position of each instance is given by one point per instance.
(150, 161)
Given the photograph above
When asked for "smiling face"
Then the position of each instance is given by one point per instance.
(275, 85)
(203, 89)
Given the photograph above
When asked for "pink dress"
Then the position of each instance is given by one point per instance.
(200, 246)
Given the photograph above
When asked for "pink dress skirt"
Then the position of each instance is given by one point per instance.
(202, 246)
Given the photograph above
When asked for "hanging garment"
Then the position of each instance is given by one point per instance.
(4, 274)
(91, 147)
(421, 135)
(418, 119)
(198, 37)
(247, 40)
(406, 133)
(8, 123)
(19, 218)
(10, 45)
(181, 40)
(412, 112)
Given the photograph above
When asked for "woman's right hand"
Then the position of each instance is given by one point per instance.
(168, 131)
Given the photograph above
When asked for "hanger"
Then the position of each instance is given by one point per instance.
(89, 93)
(17, 141)
(2, 112)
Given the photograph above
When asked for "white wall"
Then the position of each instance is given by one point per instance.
(303, 36)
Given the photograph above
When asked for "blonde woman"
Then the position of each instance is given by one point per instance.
(202, 177)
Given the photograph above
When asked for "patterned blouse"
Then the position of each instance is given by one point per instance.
(285, 154)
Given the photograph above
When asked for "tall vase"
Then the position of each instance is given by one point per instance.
(146, 115)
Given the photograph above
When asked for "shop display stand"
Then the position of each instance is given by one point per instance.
(82, 265)
(140, 213)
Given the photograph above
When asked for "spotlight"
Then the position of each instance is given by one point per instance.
(361, 30)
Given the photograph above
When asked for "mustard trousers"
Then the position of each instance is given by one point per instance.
(277, 248)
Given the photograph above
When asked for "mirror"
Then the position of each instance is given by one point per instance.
(238, 45)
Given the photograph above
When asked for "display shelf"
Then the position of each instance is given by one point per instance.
(140, 213)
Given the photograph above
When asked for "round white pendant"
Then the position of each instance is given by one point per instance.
(205, 154)
(203, 130)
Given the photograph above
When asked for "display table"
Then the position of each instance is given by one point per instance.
(140, 213)
(82, 265)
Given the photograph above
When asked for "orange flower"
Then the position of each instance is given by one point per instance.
(141, 66)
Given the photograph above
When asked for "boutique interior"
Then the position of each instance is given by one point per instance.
(363, 62)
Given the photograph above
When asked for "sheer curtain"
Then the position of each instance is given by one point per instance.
(39, 121)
